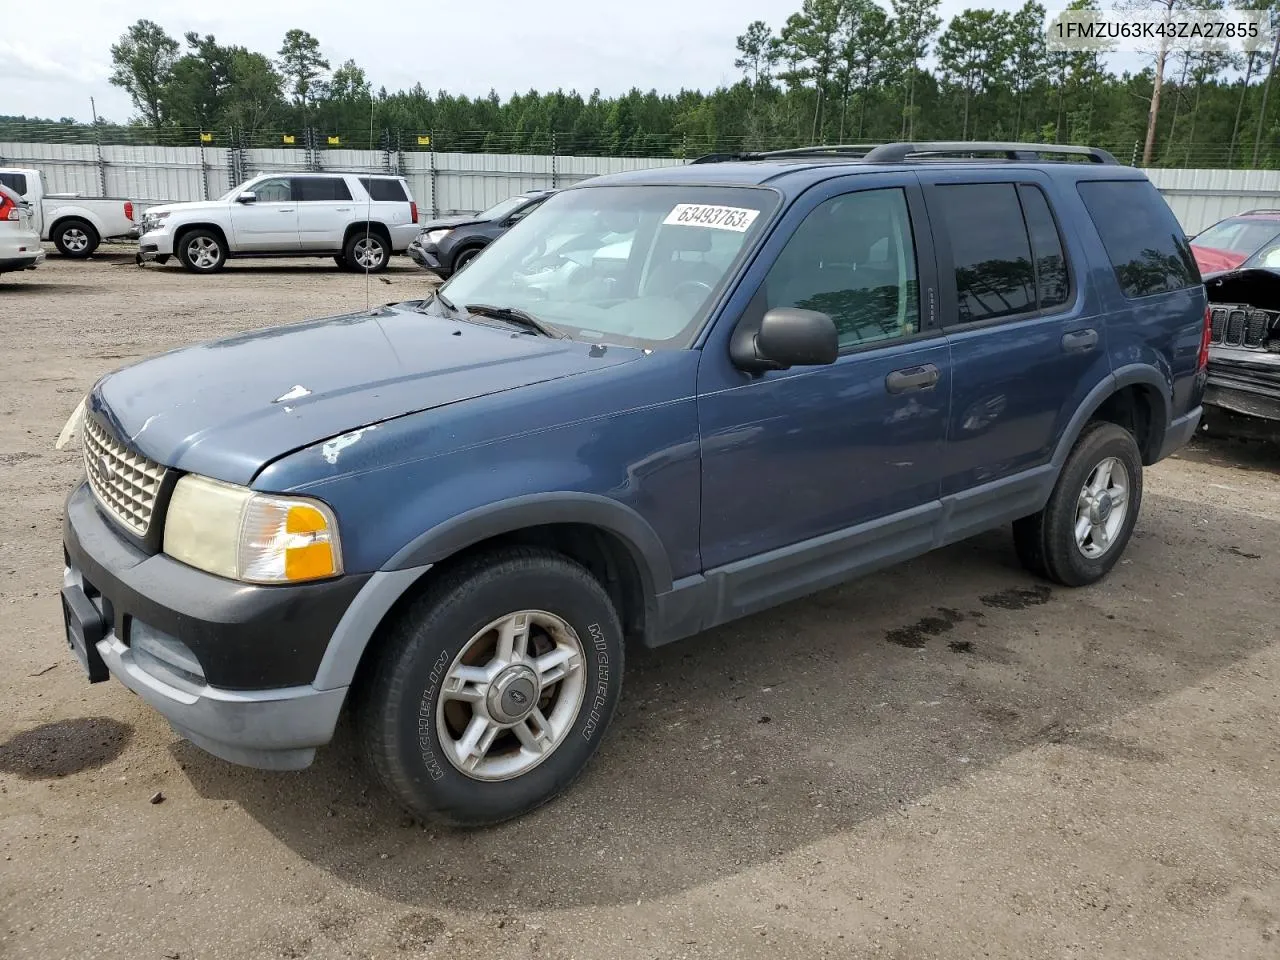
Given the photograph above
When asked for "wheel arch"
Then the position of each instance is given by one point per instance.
(180, 232)
(375, 226)
(610, 539)
(1136, 397)
(468, 246)
(63, 218)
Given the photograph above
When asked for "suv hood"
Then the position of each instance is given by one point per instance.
(449, 223)
(188, 206)
(227, 408)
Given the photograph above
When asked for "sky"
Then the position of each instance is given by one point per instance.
(467, 47)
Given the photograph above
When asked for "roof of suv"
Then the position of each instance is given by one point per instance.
(801, 168)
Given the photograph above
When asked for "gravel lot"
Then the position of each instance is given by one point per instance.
(948, 759)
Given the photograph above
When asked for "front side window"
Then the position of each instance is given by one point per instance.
(274, 190)
(853, 258)
(636, 265)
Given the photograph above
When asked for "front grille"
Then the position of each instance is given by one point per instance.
(1237, 326)
(125, 483)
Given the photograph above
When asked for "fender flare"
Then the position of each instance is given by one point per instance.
(1137, 374)
(540, 509)
(356, 628)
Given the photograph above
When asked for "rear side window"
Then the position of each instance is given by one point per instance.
(382, 189)
(17, 182)
(320, 188)
(990, 248)
(1143, 240)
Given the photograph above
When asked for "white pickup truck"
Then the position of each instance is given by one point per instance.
(76, 225)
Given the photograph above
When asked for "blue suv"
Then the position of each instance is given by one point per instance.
(663, 400)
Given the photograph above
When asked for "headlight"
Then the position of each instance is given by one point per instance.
(234, 532)
(435, 236)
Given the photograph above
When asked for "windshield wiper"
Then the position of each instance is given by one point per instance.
(515, 315)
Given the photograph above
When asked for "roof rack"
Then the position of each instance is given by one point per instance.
(851, 151)
(964, 149)
(1249, 213)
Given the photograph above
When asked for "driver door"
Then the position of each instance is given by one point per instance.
(270, 223)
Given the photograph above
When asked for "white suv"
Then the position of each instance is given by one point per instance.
(359, 219)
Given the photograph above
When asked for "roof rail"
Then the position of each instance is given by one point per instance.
(962, 149)
(852, 151)
(1249, 213)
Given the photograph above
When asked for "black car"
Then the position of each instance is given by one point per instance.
(446, 245)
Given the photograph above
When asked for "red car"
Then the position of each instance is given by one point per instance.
(1249, 239)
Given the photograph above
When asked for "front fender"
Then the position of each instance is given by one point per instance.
(540, 509)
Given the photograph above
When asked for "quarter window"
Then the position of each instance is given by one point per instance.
(1147, 247)
(381, 188)
(17, 182)
(853, 258)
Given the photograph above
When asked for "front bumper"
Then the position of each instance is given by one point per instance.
(155, 243)
(1245, 382)
(426, 255)
(236, 661)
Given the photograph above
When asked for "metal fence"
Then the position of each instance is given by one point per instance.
(442, 183)
(448, 183)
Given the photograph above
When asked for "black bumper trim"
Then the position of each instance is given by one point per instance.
(246, 637)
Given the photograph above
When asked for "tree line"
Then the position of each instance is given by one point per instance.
(835, 71)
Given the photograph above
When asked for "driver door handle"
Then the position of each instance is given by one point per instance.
(923, 377)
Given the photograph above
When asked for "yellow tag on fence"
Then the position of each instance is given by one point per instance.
(334, 141)
(424, 141)
(206, 138)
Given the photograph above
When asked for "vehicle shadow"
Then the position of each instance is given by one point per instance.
(1243, 454)
(765, 735)
(34, 287)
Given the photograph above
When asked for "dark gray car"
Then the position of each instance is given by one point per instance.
(448, 244)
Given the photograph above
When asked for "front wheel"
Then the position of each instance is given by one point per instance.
(494, 688)
(366, 253)
(202, 251)
(1083, 529)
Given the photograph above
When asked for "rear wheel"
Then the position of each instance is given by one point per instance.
(75, 238)
(494, 688)
(1083, 529)
(367, 253)
(202, 251)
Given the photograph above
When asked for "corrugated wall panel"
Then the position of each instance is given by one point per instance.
(467, 183)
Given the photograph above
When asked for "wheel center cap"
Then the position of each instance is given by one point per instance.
(1103, 507)
(514, 694)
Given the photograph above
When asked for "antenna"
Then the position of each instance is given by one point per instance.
(368, 208)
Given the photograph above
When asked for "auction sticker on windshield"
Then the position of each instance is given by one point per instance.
(738, 219)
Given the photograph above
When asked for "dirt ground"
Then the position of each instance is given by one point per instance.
(949, 759)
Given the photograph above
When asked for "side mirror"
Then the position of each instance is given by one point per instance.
(788, 337)
(247, 197)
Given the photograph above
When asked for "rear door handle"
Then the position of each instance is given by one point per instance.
(344, 209)
(923, 377)
(1079, 341)
(287, 210)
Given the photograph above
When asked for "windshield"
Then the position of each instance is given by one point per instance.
(633, 265)
(1238, 235)
(504, 209)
